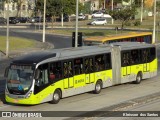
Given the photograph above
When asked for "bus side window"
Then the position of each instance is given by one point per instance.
(78, 66)
(43, 80)
(55, 72)
(145, 55)
(125, 58)
(88, 65)
(99, 63)
(152, 54)
(135, 57)
(67, 69)
(108, 61)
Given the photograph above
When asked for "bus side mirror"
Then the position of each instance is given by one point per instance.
(6, 72)
(37, 74)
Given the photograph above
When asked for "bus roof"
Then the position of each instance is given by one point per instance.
(116, 36)
(67, 53)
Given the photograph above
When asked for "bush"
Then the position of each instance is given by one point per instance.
(137, 23)
(127, 24)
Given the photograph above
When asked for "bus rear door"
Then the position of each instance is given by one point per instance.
(89, 69)
(126, 68)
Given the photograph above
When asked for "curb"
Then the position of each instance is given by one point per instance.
(118, 107)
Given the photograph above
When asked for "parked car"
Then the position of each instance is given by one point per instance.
(97, 14)
(23, 19)
(99, 21)
(106, 16)
(13, 20)
(81, 17)
(3, 20)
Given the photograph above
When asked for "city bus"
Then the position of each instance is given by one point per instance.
(124, 37)
(50, 75)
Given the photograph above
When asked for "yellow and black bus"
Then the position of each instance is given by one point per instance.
(59, 73)
(125, 37)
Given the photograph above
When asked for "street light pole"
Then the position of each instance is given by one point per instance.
(141, 10)
(76, 31)
(112, 10)
(7, 38)
(154, 23)
(44, 20)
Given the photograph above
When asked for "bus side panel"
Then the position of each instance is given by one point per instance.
(79, 80)
(154, 67)
(92, 77)
(99, 76)
(107, 78)
(65, 83)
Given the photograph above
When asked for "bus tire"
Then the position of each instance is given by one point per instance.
(138, 78)
(98, 87)
(56, 96)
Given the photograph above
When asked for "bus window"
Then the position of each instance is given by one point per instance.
(145, 55)
(78, 66)
(99, 63)
(152, 54)
(135, 56)
(148, 39)
(133, 39)
(43, 80)
(125, 58)
(67, 69)
(88, 65)
(108, 61)
(55, 71)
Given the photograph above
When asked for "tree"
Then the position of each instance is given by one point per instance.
(124, 15)
(57, 7)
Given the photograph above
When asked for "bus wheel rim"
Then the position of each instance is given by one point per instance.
(56, 96)
(98, 87)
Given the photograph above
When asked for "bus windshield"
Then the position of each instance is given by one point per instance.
(19, 79)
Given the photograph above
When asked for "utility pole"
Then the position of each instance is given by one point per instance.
(76, 29)
(141, 10)
(154, 23)
(44, 20)
(7, 38)
(112, 10)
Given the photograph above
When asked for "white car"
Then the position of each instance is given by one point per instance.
(97, 14)
(106, 16)
(81, 17)
(99, 21)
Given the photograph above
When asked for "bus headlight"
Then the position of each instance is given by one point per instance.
(29, 94)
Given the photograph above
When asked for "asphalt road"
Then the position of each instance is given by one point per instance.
(58, 41)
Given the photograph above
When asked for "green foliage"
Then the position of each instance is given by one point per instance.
(136, 23)
(124, 15)
(127, 23)
(56, 7)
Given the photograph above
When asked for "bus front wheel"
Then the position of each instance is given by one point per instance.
(138, 78)
(56, 96)
(98, 87)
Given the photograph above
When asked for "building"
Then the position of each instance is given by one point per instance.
(24, 8)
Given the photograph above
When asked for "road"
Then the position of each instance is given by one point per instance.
(58, 41)
(92, 102)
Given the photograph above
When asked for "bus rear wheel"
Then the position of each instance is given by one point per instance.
(138, 78)
(98, 87)
(56, 96)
